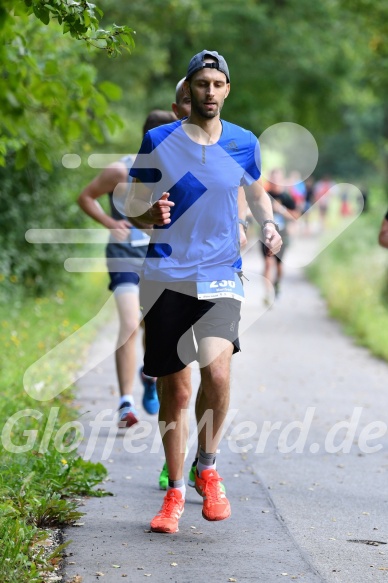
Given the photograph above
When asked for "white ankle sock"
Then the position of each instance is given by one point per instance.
(127, 399)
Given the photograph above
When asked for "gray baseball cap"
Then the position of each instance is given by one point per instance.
(198, 62)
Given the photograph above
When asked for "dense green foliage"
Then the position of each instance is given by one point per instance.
(320, 65)
(49, 98)
(81, 20)
(49, 95)
(290, 60)
(31, 198)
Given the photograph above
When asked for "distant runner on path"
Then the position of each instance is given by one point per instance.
(190, 285)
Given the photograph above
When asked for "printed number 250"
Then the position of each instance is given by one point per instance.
(223, 283)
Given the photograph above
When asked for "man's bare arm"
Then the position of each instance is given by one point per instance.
(383, 234)
(114, 179)
(260, 204)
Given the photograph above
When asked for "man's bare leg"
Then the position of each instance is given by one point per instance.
(213, 402)
(175, 393)
(215, 385)
(128, 310)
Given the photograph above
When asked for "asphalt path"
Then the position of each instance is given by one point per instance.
(309, 499)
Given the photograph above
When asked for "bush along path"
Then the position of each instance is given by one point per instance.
(42, 477)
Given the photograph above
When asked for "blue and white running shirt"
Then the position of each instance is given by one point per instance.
(202, 241)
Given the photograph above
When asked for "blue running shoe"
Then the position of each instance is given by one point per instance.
(150, 397)
(127, 415)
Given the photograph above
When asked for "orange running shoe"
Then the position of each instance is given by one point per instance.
(215, 504)
(172, 509)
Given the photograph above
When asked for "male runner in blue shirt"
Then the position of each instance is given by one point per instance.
(186, 179)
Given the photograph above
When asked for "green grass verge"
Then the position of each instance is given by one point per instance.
(352, 274)
(38, 485)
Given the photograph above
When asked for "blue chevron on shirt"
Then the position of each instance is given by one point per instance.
(202, 241)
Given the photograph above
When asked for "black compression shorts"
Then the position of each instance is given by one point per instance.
(174, 316)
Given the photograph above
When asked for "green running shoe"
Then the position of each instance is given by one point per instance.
(192, 471)
(191, 481)
(163, 478)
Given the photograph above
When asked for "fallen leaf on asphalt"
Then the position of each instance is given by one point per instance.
(99, 574)
(116, 566)
(78, 523)
(147, 574)
(193, 527)
(366, 513)
(147, 531)
(265, 511)
(232, 579)
(140, 568)
(128, 477)
(331, 538)
(198, 532)
(124, 575)
(174, 564)
(125, 506)
(284, 574)
(383, 568)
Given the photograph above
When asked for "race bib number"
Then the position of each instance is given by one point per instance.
(222, 288)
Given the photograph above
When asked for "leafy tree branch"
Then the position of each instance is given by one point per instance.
(81, 19)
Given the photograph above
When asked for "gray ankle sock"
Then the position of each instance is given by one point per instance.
(178, 485)
(206, 461)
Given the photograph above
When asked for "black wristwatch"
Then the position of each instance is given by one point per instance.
(244, 224)
(272, 223)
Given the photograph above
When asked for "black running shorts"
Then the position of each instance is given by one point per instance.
(173, 316)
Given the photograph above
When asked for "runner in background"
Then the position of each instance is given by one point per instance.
(321, 196)
(283, 206)
(125, 254)
(308, 202)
